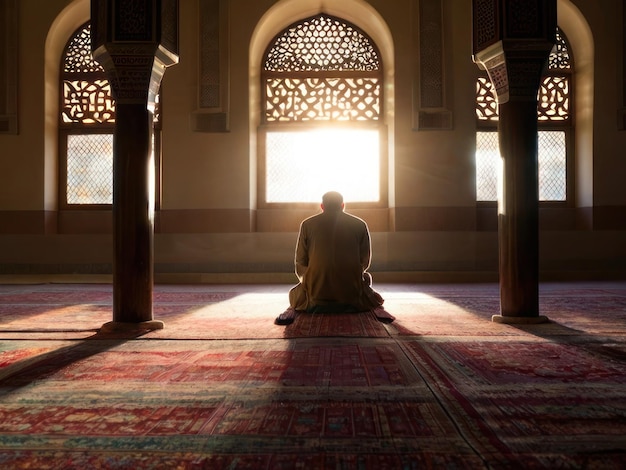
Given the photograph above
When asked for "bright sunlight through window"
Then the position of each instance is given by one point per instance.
(303, 165)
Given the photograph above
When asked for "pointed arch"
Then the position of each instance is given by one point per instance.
(64, 25)
(578, 32)
(86, 127)
(79, 123)
(570, 80)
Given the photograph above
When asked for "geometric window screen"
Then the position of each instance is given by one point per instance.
(86, 93)
(326, 74)
(554, 109)
(90, 169)
(552, 162)
(488, 165)
(86, 124)
(552, 166)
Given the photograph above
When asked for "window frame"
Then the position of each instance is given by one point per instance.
(265, 127)
(264, 130)
(66, 129)
(566, 126)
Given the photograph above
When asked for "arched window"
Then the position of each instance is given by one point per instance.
(321, 127)
(86, 127)
(554, 114)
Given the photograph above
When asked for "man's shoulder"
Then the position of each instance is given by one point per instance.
(344, 217)
(310, 222)
(353, 218)
(311, 219)
(353, 222)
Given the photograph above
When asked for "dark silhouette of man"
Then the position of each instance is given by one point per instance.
(333, 253)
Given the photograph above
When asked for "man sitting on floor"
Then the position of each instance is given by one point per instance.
(333, 253)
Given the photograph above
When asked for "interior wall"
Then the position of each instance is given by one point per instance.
(581, 39)
(208, 223)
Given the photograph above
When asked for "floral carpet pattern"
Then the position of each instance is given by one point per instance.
(222, 387)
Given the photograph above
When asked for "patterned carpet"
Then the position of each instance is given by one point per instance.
(222, 387)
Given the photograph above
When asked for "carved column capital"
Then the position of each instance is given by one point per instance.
(134, 42)
(515, 72)
(512, 41)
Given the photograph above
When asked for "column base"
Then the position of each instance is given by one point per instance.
(129, 327)
(512, 320)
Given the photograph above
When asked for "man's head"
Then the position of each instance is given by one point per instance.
(332, 201)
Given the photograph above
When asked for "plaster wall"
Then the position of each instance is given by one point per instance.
(209, 220)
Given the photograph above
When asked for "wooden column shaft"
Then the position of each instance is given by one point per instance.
(518, 209)
(134, 42)
(133, 214)
(512, 41)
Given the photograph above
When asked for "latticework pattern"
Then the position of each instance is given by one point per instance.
(90, 169)
(87, 106)
(559, 58)
(78, 58)
(552, 156)
(554, 92)
(486, 103)
(322, 99)
(554, 99)
(487, 166)
(553, 108)
(552, 166)
(321, 43)
(86, 93)
(322, 69)
(87, 102)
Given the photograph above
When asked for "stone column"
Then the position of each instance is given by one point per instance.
(512, 41)
(134, 40)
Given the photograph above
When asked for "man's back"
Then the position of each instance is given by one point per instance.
(332, 256)
(333, 252)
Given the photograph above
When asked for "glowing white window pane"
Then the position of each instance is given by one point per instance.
(552, 160)
(552, 166)
(90, 169)
(487, 163)
(301, 166)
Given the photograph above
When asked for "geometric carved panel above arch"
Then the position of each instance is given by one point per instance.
(213, 86)
(430, 107)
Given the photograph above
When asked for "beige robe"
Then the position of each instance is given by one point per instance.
(333, 253)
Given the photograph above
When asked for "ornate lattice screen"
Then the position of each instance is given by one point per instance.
(86, 91)
(322, 105)
(554, 92)
(553, 110)
(487, 166)
(552, 165)
(89, 169)
(86, 123)
(322, 69)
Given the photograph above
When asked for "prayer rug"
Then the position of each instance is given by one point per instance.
(222, 387)
(547, 404)
(320, 403)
